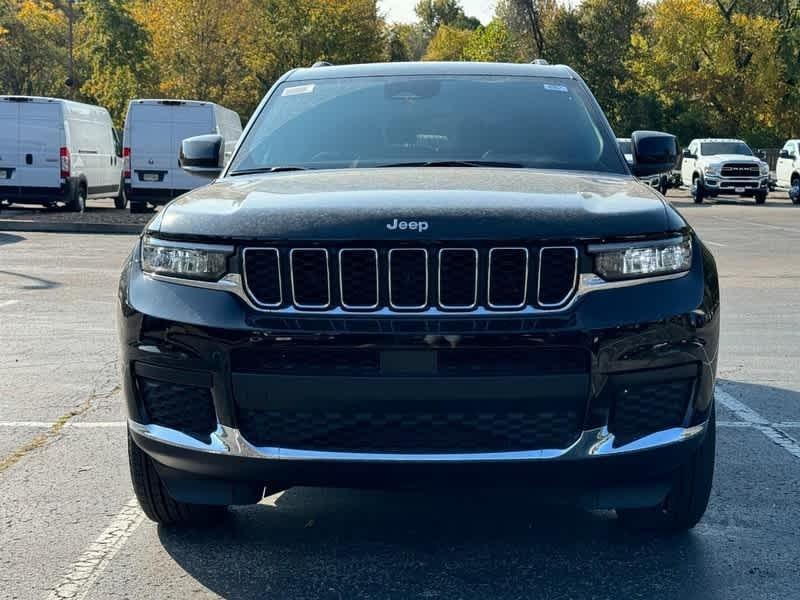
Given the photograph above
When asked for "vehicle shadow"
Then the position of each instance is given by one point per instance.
(35, 283)
(10, 238)
(772, 203)
(315, 543)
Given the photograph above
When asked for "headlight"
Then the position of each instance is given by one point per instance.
(648, 259)
(711, 169)
(189, 261)
(764, 168)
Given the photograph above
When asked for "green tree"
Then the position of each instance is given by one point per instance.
(492, 43)
(433, 14)
(33, 55)
(114, 51)
(714, 73)
(449, 43)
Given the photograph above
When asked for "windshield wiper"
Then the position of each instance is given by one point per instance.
(276, 169)
(458, 163)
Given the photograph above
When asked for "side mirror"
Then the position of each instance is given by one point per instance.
(688, 153)
(761, 154)
(784, 154)
(203, 155)
(653, 152)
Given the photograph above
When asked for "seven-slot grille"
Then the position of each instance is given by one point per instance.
(740, 170)
(457, 279)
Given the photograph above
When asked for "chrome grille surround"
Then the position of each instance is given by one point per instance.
(526, 269)
(392, 303)
(474, 302)
(539, 277)
(292, 254)
(342, 294)
(517, 262)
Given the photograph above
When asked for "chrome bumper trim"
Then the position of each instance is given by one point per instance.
(594, 442)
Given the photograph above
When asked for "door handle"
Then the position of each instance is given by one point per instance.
(29, 159)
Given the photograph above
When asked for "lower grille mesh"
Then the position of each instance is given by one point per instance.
(186, 408)
(409, 432)
(643, 409)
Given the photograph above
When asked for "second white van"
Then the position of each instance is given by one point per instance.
(55, 151)
(154, 130)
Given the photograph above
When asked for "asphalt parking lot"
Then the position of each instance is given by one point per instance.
(68, 528)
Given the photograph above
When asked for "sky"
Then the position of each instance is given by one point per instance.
(402, 11)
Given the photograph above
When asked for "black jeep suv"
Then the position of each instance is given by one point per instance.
(423, 274)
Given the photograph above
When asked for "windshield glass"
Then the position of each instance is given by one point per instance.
(385, 121)
(711, 148)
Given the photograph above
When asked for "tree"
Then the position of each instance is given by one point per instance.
(33, 54)
(200, 49)
(492, 43)
(115, 51)
(411, 37)
(714, 74)
(433, 14)
(449, 43)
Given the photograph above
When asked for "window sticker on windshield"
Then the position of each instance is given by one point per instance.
(298, 89)
(555, 88)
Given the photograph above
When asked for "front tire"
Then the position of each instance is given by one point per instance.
(794, 190)
(156, 501)
(761, 197)
(698, 192)
(688, 497)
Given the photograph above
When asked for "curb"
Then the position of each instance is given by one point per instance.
(57, 227)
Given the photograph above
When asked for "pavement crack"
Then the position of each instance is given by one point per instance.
(54, 431)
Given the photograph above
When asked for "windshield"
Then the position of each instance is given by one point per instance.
(429, 120)
(711, 148)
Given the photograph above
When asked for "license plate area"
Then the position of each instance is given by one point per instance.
(151, 176)
(738, 190)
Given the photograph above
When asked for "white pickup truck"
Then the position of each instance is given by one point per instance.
(724, 167)
(787, 170)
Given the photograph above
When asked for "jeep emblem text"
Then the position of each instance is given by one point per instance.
(412, 225)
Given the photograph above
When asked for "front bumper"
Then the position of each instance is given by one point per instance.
(642, 335)
(736, 185)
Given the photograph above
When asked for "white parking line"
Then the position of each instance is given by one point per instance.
(5, 303)
(747, 414)
(85, 571)
(68, 425)
(715, 243)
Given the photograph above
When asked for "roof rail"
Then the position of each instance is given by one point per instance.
(539, 61)
(321, 63)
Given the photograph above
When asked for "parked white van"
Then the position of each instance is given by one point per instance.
(54, 150)
(787, 170)
(154, 130)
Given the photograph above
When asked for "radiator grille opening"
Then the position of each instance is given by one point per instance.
(458, 278)
(262, 272)
(408, 278)
(310, 277)
(358, 278)
(558, 275)
(508, 277)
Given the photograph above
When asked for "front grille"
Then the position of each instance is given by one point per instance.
(740, 170)
(186, 408)
(495, 278)
(558, 274)
(416, 432)
(642, 409)
(458, 278)
(310, 277)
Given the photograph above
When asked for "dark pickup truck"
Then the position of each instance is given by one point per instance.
(423, 275)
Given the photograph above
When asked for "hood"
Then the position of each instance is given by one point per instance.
(454, 203)
(723, 158)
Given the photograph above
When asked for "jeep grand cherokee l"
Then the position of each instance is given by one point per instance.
(422, 275)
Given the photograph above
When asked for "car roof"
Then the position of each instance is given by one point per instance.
(623, 139)
(168, 101)
(432, 68)
(705, 140)
(47, 100)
